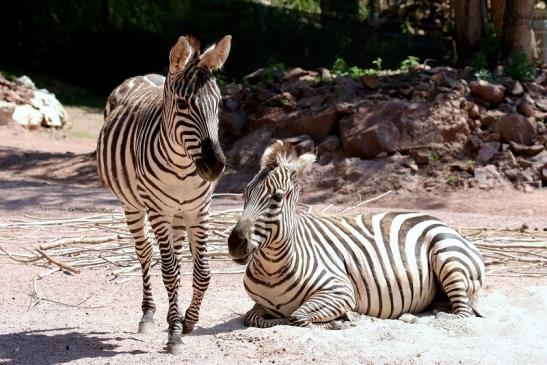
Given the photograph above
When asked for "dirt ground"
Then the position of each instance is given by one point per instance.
(40, 175)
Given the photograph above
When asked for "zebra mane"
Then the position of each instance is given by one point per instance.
(196, 46)
(277, 154)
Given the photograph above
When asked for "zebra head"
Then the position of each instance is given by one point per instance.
(191, 97)
(271, 198)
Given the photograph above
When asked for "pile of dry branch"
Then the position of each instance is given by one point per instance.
(103, 242)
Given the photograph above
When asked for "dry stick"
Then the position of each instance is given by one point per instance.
(35, 258)
(363, 202)
(58, 263)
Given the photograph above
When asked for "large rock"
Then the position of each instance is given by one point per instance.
(27, 116)
(515, 128)
(318, 126)
(270, 117)
(233, 122)
(346, 88)
(382, 127)
(490, 92)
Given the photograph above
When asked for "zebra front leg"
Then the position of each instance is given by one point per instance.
(323, 309)
(143, 247)
(179, 234)
(256, 318)
(170, 270)
(198, 232)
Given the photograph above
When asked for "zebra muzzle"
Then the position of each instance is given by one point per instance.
(212, 161)
(238, 246)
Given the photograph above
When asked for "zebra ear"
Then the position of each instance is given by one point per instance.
(180, 55)
(269, 157)
(304, 162)
(214, 57)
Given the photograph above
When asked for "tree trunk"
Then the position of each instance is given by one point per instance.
(498, 11)
(517, 28)
(468, 18)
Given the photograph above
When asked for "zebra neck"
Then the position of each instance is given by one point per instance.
(170, 149)
(275, 261)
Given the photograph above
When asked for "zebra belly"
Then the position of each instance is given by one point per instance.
(393, 298)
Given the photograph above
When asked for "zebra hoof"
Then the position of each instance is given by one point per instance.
(187, 327)
(174, 348)
(445, 316)
(147, 327)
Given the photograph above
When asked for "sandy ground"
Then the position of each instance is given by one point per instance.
(103, 329)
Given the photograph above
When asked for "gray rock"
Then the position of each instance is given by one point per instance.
(487, 151)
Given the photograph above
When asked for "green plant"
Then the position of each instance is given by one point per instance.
(363, 12)
(483, 74)
(340, 67)
(519, 67)
(434, 157)
(273, 71)
(452, 180)
(407, 28)
(378, 63)
(489, 52)
(310, 6)
(409, 63)
(479, 61)
(221, 79)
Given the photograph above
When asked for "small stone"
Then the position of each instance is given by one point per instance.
(420, 157)
(493, 137)
(526, 150)
(516, 89)
(330, 144)
(525, 108)
(325, 74)
(408, 318)
(473, 111)
(490, 92)
(487, 152)
(371, 81)
(542, 104)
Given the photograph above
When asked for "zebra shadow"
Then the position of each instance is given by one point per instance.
(50, 347)
(224, 327)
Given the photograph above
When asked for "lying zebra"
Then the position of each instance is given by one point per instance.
(310, 271)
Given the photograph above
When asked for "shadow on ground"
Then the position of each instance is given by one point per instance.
(50, 347)
(50, 166)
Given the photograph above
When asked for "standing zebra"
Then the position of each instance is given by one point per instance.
(159, 153)
(308, 270)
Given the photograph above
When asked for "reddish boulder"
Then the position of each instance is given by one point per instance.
(233, 122)
(487, 91)
(270, 117)
(515, 128)
(372, 129)
(318, 126)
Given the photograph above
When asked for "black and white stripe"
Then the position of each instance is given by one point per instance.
(309, 270)
(159, 153)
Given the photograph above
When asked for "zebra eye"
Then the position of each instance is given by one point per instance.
(277, 197)
(182, 104)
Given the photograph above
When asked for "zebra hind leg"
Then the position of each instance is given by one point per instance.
(257, 317)
(457, 287)
(143, 247)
